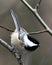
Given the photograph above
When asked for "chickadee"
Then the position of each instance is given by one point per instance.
(20, 37)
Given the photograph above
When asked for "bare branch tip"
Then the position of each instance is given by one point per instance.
(37, 5)
(6, 28)
(38, 32)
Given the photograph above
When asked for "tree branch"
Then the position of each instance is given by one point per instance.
(6, 28)
(12, 50)
(37, 5)
(35, 12)
(31, 33)
(3, 43)
(38, 32)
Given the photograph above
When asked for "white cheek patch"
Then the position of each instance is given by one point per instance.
(27, 42)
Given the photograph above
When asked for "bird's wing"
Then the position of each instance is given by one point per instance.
(22, 33)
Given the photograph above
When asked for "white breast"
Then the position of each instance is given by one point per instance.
(15, 40)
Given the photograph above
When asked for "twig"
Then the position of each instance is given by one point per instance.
(3, 43)
(6, 29)
(37, 5)
(31, 33)
(12, 50)
(38, 32)
(35, 12)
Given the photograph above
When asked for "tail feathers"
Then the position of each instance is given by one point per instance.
(15, 19)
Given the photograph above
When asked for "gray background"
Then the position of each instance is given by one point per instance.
(43, 55)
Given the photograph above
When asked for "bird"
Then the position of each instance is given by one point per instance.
(21, 38)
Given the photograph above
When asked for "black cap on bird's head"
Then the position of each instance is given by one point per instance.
(35, 43)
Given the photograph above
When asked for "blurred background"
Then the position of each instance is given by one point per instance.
(43, 55)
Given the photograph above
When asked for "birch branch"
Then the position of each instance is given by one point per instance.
(3, 43)
(12, 50)
(35, 12)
